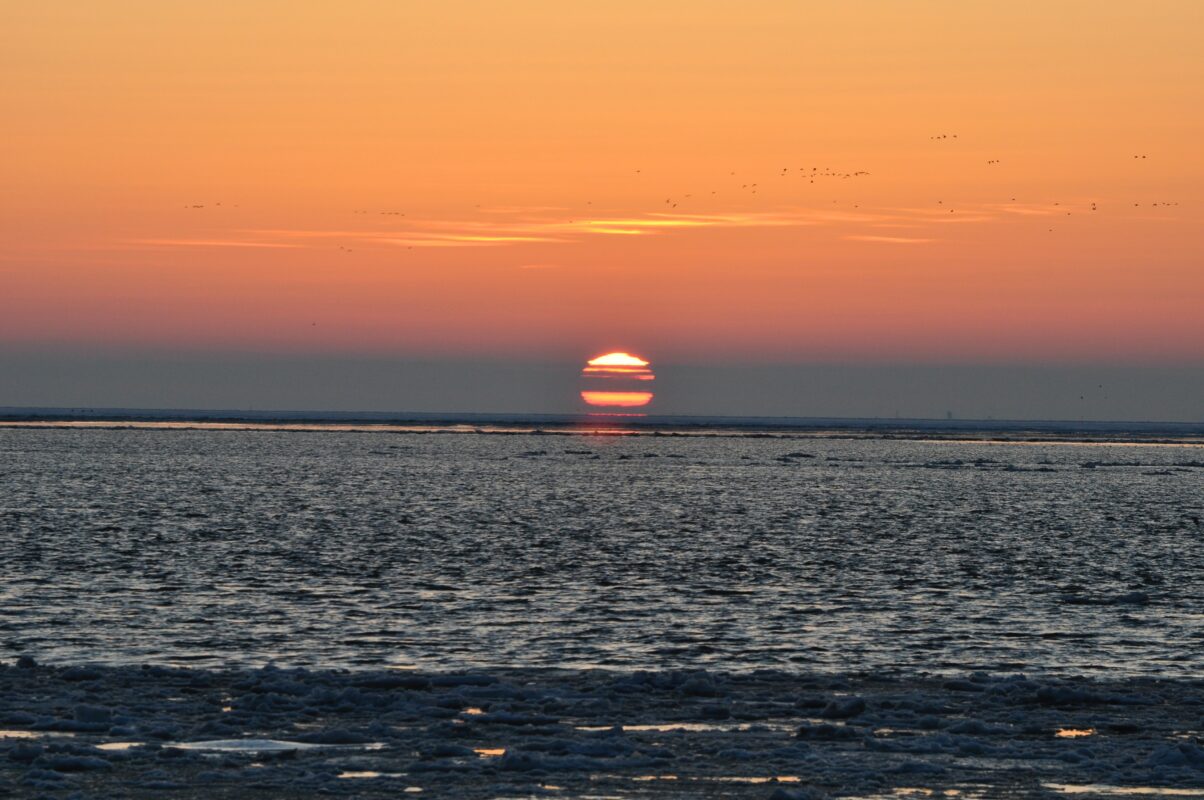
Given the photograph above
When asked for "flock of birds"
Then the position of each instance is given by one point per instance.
(811, 175)
(827, 172)
(815, 173)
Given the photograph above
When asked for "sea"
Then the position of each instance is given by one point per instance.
(431, 549)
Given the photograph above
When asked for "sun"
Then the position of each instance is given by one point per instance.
(616, 380)
(616, 399)
(618, 360)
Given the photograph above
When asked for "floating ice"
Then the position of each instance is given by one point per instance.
(262, 746)
(1103, 789)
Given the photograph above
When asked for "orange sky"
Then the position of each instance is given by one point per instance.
(550, 179)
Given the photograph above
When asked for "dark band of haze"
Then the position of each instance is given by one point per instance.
(70, 378)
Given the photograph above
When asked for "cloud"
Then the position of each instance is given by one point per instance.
(465, 240)
(504, 226)
(1030, 209)
(525, 227)
(469, 235)
(520, 209)
(208, 243)
(945, 214)
(888, 239)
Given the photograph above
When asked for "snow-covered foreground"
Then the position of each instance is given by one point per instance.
(135, 732)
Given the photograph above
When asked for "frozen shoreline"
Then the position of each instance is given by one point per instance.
(91, 731)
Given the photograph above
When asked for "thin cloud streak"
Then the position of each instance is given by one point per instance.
(528, 225)
(209, 243)
(460, 241)
(888, 239)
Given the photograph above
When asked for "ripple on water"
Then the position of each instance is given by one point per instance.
(212, 548)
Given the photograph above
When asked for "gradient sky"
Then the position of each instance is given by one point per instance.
(695, 182)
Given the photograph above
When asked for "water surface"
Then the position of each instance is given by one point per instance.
(426, 550)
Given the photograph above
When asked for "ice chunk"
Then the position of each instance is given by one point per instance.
(828, 732)
(86, 713)
(1180, 754)
(73, 763)
(843, 708)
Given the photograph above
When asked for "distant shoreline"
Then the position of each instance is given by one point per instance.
(1104, 432)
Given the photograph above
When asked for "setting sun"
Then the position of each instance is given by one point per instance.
(619, 371)
(618, 360)
(617, 399)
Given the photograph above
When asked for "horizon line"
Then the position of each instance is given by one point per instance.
(14, 414)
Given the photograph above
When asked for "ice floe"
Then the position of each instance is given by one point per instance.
(595, 733)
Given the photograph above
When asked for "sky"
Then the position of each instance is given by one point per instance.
(740, 192)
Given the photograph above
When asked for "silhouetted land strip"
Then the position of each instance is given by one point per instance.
(1145, 432)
